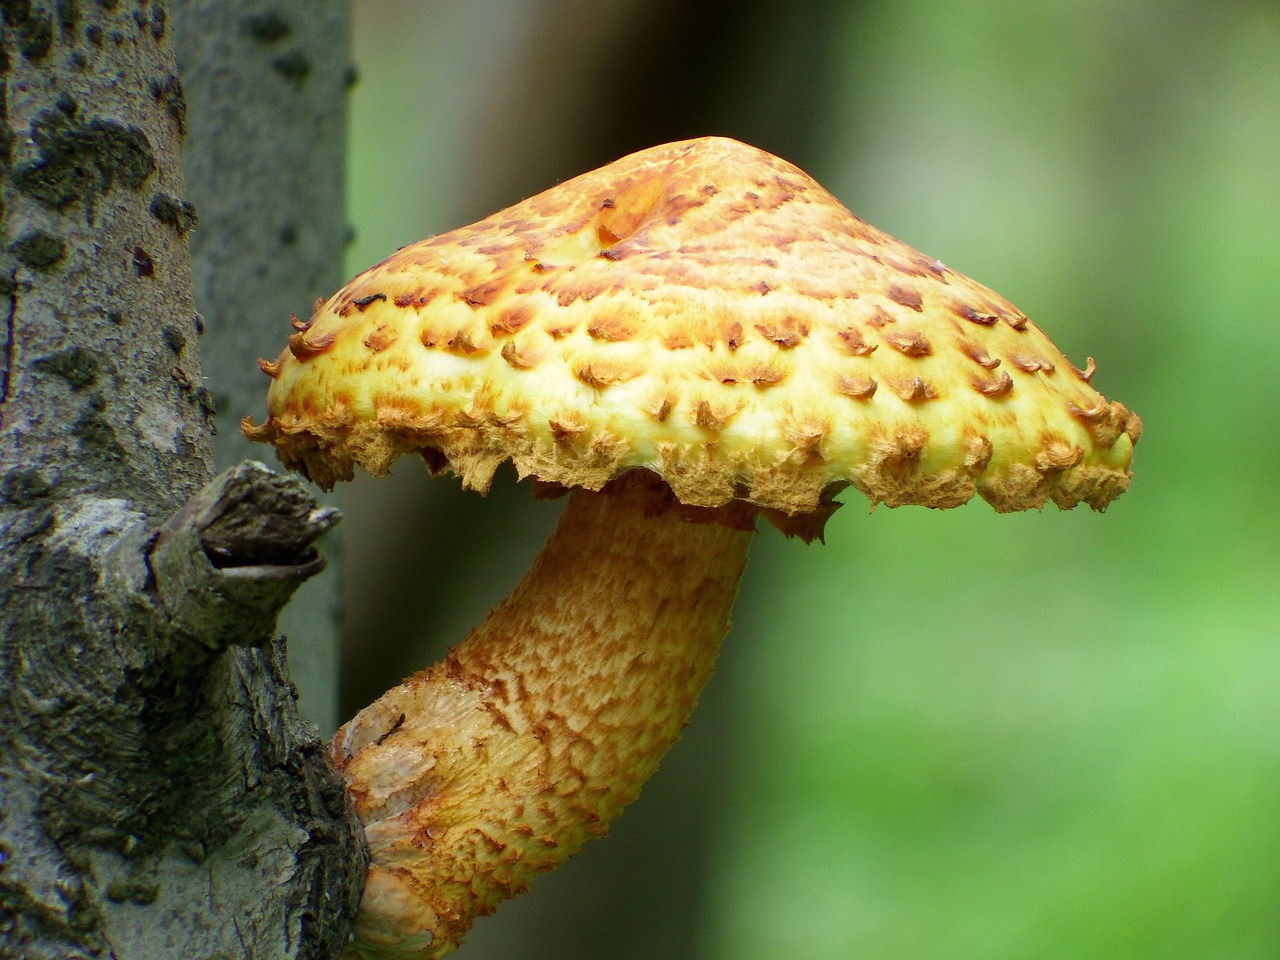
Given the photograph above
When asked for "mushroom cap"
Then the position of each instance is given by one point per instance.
(705, 311)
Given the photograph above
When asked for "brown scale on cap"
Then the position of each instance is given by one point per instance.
(860, 388)
(1029, 364)
(522, 358)
(979, 356)
(649, 254)
(913, 389)
(381, 338)
(611, 328)
(697, 332)
(908, 342)
(909, 297)
(304, 347)
(1090, 368)
(786, 333)
(462, 342)
(852, 342)
(601, 373)
(998, 386)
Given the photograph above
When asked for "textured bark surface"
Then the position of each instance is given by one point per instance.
(159, 795)
(266, 86)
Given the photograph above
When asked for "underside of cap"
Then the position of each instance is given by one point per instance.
(706, 312)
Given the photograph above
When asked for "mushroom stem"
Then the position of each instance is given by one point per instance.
(532, 734)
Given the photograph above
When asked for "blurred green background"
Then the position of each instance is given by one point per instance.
(939, 735)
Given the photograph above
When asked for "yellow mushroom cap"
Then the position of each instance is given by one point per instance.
(705, 311)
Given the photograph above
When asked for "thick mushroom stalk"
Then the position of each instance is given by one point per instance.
(531, 735)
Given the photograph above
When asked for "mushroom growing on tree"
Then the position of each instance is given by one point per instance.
(688, 339)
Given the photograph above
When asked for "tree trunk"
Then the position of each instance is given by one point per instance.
(266, 90)
(159, 795)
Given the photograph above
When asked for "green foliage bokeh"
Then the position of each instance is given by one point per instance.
(960, 735)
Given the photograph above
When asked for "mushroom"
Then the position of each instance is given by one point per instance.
(687, 339)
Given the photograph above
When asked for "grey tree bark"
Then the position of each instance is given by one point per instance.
(159, 794)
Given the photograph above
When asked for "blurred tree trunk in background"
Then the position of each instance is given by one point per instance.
(587, 89)
(584, 84)
(159, 795)
(265, 148)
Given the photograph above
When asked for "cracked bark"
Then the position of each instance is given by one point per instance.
(159, 795)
